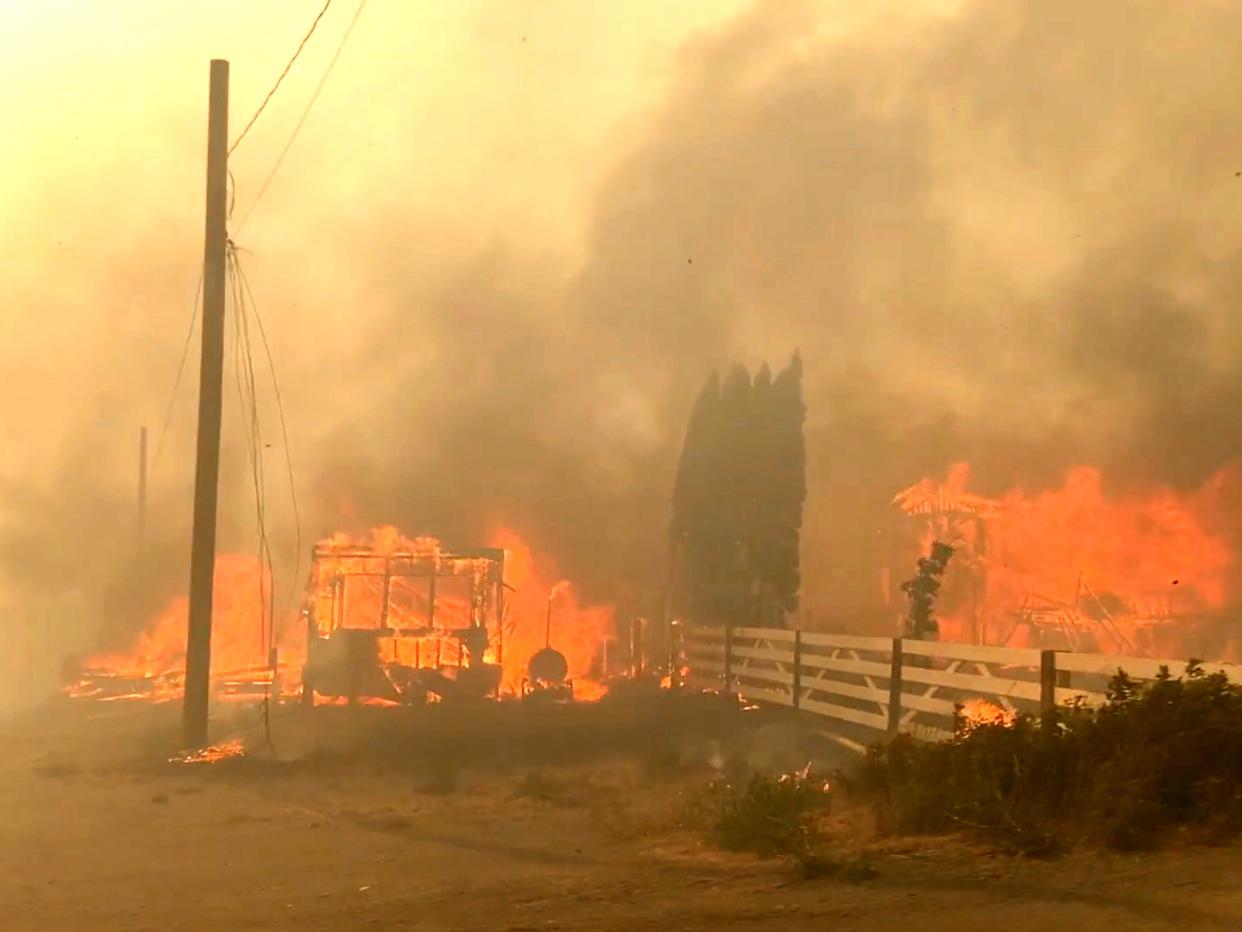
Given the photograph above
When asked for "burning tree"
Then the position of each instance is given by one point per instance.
(923, 589)
(737, 501)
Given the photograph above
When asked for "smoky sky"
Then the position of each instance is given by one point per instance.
(1005, 234)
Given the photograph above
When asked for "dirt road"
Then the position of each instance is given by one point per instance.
(101, 833)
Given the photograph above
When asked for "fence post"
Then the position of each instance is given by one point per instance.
(797, 669)
(637, 647)
(894, 691)
(674, 654)
(1048, 688)
(728, 661)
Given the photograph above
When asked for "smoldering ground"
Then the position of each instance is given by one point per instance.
(997, 231)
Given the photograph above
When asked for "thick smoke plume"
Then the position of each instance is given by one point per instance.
(1004, 232)
(1001, 235)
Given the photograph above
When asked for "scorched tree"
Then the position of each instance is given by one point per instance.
(738, 499)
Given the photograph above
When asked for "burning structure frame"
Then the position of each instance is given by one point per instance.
(372, 632)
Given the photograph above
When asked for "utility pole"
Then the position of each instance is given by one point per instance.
(142, 490)
(211, 377)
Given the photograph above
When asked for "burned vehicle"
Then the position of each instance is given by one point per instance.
(403, 620)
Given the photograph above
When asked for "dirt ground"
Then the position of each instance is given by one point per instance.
(514, 822)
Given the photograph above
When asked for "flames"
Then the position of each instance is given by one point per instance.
(1110, 570)
(976, 712)
(212, 754)
(153, 667)
(354, 584)
(576, 629)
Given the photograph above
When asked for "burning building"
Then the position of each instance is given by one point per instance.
(386, 618)
(931, 511)
(1078, 567)
(400, 619)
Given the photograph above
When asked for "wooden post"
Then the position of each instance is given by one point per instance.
(312, 637)
(1048, 688)
(500, 610)
(674, 654)
(386, 593)
(894, 691)
(797, 669)
(728, 661)
(211, 377)
(636, 647)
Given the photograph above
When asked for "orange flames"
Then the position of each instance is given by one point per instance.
(577, 630)
(355, 584)
(153, 668)
(1113, 571)
(212, 754)
(976, 712)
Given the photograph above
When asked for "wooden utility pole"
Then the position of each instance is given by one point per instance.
(142, 490)
(211, 377)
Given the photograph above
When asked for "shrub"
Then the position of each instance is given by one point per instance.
(1152, 758)
(540, 787)
(769, 816)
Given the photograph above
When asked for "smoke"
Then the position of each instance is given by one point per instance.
(1000, 234)
(1001, 231)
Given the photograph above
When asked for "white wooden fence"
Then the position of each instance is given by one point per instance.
(873, 686)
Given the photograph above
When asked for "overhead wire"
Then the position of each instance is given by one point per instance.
(185, 354)
(244, 298)
(288, 66)
(284, 428)
(248, 397)
(244, 310)
(305, 113)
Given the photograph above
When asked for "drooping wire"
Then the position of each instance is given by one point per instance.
(284, 430)
(232, 189)
(185, 355)
(248, 397)
(298, 51)
(246, 311)
(305, 113)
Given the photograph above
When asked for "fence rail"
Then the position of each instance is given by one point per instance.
(872, 686)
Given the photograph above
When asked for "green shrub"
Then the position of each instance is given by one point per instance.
(1154, 757)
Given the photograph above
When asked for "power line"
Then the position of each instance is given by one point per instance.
(298, 51)
(246, 309)
(284, 431)
(305, 113)
(185, 353)
(248, 395)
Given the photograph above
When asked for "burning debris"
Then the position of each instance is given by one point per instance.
(387, 620)
(976, 712)
(400, 619)
(212, 754)
(1071, 568)
(153, 669)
